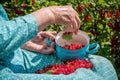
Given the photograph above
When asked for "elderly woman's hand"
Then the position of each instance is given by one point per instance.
(38, 44)
(64, 15)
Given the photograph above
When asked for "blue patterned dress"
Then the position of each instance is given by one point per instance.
(19, 64)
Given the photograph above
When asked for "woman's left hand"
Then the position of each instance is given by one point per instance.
(38, 44)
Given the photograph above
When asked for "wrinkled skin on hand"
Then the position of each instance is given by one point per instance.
(64, 15)
(67, 16)
(38, 44)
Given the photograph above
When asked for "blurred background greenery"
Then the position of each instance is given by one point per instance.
(99, 18)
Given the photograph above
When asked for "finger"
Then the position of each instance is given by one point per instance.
(45, 45)
(72, 23)
(72, 10)
(75, 12)
(52, 38)
(78, 21)
(39, 36)
(53, 32)
(49, 35)
(68, 28)
(75, 25)
(52, 45)
(49, 50)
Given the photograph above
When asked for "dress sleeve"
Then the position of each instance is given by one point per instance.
(14, 33)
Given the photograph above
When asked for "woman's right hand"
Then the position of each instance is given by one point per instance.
(67, 16)
(64, 15)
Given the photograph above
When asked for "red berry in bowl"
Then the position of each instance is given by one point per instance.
(73, 46)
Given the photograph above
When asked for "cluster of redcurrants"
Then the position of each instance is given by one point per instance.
(102, 13)
(66, 68)
(19, 9)
(73, 46)
(81, 8)
(114, 45)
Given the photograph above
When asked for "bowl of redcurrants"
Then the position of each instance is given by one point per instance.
(70, 46)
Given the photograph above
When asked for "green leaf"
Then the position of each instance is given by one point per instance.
(67, 37)
(49, 71)
(102, 2)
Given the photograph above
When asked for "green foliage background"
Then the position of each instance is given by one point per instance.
(97, 26)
